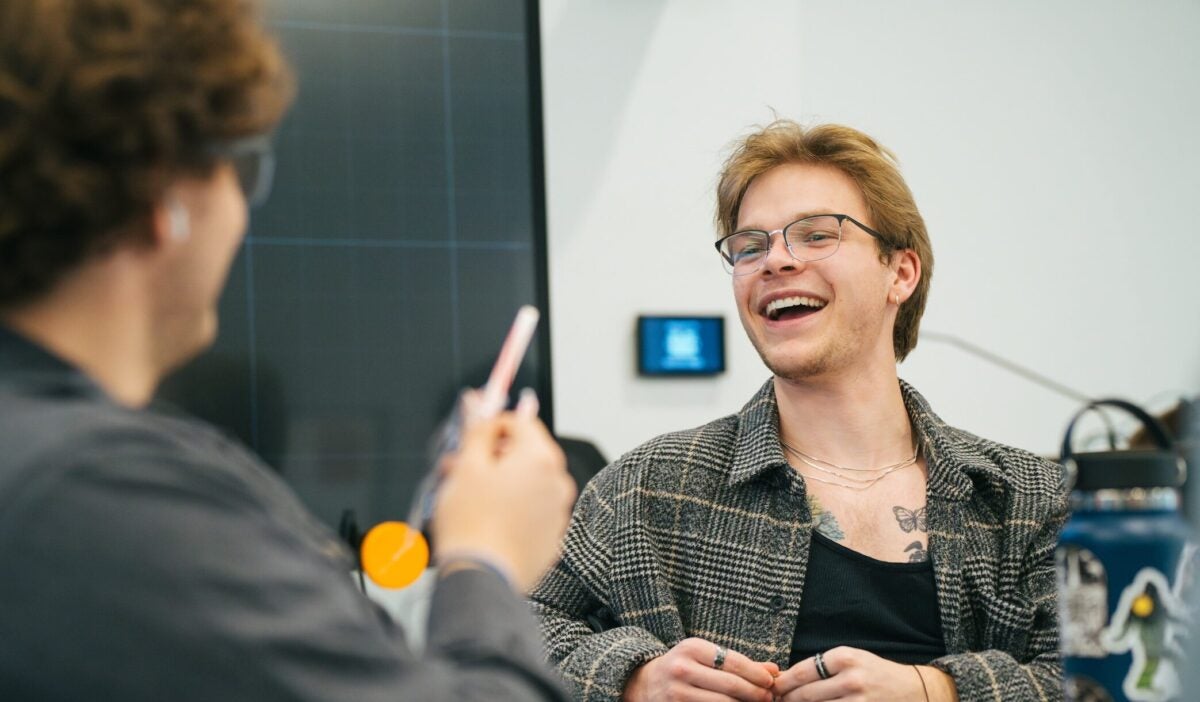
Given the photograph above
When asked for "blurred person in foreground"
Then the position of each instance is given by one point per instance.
(148, 557)
(834, 540)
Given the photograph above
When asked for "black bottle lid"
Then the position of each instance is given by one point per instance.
(1161, 467)
(1124, 470)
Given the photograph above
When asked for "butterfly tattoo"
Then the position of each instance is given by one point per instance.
(910, 520)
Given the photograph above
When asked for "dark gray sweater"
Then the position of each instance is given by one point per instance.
(149, 558)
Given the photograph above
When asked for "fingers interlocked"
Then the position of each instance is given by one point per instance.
(696, 669)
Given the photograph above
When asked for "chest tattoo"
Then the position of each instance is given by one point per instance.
(916, 552)
(911, 520)
(824, 521)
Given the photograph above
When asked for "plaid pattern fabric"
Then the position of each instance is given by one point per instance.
(706, 533)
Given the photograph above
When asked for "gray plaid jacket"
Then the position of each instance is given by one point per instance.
(706, 533)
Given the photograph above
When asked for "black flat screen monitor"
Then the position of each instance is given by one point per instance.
(405, 228)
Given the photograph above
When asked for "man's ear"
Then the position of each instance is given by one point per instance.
(172, 222)
(906, 265)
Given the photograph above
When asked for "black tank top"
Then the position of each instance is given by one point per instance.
(850, 599)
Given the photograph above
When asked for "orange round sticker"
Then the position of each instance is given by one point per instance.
(394, 555)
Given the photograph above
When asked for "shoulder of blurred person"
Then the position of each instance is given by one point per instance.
(150, 553)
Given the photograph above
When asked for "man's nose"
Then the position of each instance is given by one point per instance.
(778, 257)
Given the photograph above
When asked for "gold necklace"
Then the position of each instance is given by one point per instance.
(863, 483)
(866, 483)
(808, 459)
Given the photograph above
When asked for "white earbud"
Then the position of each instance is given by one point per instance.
(178, 221)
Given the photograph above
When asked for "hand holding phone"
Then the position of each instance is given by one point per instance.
(506, 499)
(491, 400)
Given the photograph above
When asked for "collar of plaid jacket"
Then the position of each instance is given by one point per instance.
(955, 464)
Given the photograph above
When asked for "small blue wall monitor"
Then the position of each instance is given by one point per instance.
(678, 345)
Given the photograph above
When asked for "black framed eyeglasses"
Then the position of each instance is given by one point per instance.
(808, 239)
(253, 160)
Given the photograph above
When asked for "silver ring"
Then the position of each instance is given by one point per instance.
(719, 657)
(819, 659)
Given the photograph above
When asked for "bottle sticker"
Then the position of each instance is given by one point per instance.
(1187, 584)
(1150, 622)
(1080, 688)
(1083, 602)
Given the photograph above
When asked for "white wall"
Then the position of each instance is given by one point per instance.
(1053, 148)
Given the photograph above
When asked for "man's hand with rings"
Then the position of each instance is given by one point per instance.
(851, 673)
(695, 669)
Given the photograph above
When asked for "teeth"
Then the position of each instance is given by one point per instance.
(795, 301)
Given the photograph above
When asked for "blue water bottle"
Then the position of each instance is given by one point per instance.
(1125, 571)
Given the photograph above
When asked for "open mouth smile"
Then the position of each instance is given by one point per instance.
(794, 307)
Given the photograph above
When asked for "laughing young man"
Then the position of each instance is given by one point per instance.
(834, 539)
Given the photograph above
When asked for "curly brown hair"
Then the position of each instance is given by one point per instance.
(102, 104)
(874, 168)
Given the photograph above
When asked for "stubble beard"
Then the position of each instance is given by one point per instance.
(832, 350)
(797, 367)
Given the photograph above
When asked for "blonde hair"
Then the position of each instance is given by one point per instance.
(872, 167)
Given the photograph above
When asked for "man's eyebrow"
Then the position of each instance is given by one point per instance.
(795, 217)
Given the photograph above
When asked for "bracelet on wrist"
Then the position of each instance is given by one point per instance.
(922, 678)
(459, 560)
